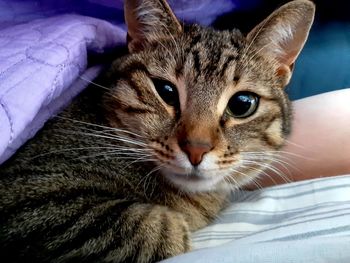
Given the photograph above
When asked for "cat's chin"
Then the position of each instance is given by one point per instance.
(193, 183)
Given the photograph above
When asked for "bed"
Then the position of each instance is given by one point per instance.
(45, 52)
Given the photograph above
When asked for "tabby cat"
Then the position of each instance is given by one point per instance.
(128, 171)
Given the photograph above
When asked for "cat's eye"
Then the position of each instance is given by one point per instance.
(243, 104)
(167, 91)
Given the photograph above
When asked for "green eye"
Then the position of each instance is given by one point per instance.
(167, 91)
(243, 104)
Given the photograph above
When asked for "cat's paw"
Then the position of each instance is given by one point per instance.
(151, 233)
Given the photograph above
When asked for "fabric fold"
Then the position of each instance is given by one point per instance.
(39, 62)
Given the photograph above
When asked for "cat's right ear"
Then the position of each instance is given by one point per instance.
(282, 35)
(147, 21)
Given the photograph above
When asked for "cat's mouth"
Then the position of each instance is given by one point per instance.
(193, 177)
(193, 181)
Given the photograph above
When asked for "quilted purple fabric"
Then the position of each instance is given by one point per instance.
(40, 62)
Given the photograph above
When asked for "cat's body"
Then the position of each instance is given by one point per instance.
(66, 205)
(128, 181)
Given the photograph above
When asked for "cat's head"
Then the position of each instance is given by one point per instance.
(207, 106)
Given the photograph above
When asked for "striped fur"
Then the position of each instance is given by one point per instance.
(111, 183)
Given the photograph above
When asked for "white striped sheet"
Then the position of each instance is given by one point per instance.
(293, 188)
(340, 234)
(288, 195)
(212, 242)
(240, 226)
(267, 202)
(315, 214)
(315, 250)
(317, 207)
(221, 234)
(285, 230)
(218, 232)
(232, 216)
(324, 205)
(320, 233)
(270, 237)
(302, 185)
(300, 227)
(211, 232)
(208, 239)
(271, 218)
(309, 208)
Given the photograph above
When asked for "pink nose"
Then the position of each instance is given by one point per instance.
(195, 151)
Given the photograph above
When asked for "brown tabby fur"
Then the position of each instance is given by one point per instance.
(72, 194)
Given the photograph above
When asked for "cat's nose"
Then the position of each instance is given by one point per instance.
(195, 150)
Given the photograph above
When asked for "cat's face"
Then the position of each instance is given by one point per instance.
(208, 106)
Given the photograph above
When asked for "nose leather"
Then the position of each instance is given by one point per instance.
(195, 151)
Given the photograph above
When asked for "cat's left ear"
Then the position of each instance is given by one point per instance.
(282, 35)
(149, 20)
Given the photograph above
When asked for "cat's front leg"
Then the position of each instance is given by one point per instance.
(200, 209)
(143, 233)
(151, 233)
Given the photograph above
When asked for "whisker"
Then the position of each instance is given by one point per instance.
(283, 152)
(99, 86)
(143, 160)
(101, 126)
(114, 153)
(94, 83)
(71, 149)
(259, 172)
(255, 37)
(272, 159)
(271, 168)
(147, 177)
(276, 171)
(111, 137)
(295, 144)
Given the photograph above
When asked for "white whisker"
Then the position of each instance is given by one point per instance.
(101, 126)
(147, 177)
(113, 138)
(272, 159)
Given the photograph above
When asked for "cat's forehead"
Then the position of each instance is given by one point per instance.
(210, 54)
(212, 39)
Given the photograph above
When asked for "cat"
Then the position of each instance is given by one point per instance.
(129, 170)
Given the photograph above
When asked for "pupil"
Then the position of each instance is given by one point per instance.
(167, 94)
(166, 91)
(242, 104)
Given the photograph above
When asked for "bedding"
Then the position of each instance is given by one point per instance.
(39, 63)
(306, 221)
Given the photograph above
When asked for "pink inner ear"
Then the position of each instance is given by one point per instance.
(283, 70)
(282, 35)
(288, 58)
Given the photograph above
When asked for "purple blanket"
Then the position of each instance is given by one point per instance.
(44, 49)
(40, 61)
